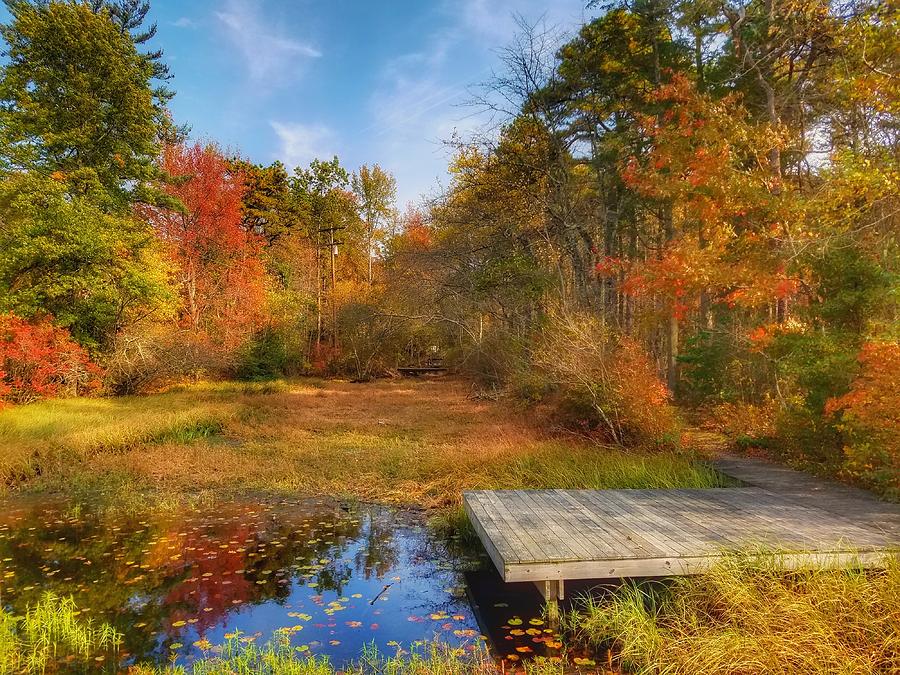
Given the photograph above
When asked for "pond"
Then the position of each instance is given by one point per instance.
(332, 577)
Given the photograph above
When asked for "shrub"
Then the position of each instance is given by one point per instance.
(40, 360)
(323, 359)
(869, 419)
(720, 366)
(148, 357)
(607, 381)
(374, 342)
(811, 367)
(755, 421)
(368, 341)
(264, 357)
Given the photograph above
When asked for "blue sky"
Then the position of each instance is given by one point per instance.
(371, 81)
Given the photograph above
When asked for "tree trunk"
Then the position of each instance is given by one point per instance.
(673, 328)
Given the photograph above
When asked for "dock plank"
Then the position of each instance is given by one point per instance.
(537, 535)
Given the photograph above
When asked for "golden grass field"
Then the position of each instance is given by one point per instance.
(400, 441)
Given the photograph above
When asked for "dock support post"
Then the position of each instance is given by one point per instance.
(552, 590)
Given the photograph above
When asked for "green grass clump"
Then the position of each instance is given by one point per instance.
(51, 630)
(601, 469)
(42, 438)
(280, 658)
(750, 615)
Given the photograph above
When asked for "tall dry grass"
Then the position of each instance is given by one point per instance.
(751, 616)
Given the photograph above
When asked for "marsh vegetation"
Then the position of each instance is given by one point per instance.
(150, 504)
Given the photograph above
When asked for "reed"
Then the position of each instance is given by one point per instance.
(51, 630)
(276, 658)
(750, 615)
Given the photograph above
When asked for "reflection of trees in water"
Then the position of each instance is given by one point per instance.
(144, 576)
(377, 554)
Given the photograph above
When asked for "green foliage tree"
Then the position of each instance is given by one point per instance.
(129, 16)
(376, 191)
(330, 215)
(77, 101)
(268, 207)
(94, 272)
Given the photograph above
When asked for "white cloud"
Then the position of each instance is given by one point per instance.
(415, 107)
(267, 54)
(185, 22)
(301, 143)
(489, 18)
(420, 100)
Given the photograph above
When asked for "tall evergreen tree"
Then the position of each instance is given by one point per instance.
(77, 102)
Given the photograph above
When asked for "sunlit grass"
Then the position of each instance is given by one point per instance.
(45, 436)
(51, 630)
(751, 616)
(405, 442)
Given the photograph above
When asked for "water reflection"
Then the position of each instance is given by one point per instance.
(334, 578)
(329, 577)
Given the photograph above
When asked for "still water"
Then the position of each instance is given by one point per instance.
(332, 577)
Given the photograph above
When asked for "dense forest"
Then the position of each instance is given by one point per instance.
(683, 202)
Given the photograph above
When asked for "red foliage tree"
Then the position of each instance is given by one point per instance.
(221, 273)
(40, 360)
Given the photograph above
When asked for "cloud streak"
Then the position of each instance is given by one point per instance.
(268, 55)
(495, 21)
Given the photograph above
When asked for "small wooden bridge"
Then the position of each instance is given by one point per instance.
(550, 536)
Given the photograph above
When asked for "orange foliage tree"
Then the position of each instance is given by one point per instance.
(39, 360)
(870, 417)
(221, 274)
(706, 160)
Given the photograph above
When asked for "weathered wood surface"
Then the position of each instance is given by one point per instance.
(421, 370)
(844, 500)
(537, 535)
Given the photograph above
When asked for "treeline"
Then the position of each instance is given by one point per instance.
(131, 258)
(707, 192)
(685, 202)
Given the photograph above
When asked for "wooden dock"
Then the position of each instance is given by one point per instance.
(550, 536)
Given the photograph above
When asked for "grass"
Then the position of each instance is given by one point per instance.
(44, 437)
(405, 442)
(51, 631)
(281, 659)
(751, 617)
